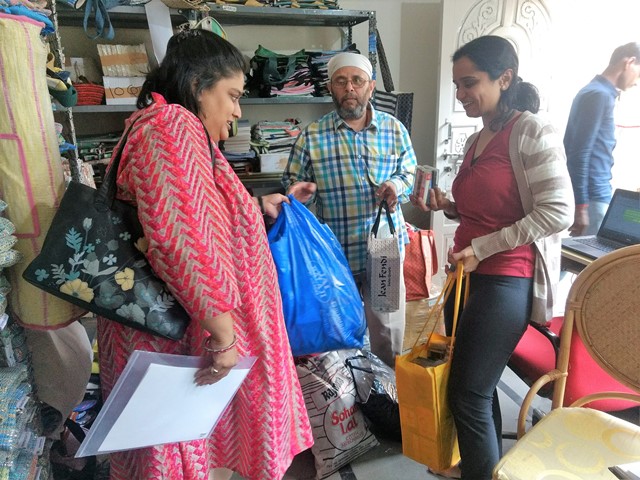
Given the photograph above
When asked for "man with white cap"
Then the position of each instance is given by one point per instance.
(348, 161)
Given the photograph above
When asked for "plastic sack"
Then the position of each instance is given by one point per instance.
(376, 393)
(322, 307)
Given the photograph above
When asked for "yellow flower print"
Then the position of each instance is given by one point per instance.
(142, 244)
(79, 289)
(125, 279)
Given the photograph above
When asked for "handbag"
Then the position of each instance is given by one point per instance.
(93, 257)
(383, 265)
(398, 104)
(320, 300)
(428, 430)
(420, 262)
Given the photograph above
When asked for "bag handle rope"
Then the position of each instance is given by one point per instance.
(454, 278)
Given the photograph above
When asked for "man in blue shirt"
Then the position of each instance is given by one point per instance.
(589, 139)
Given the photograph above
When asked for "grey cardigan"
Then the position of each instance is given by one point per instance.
(539, 163)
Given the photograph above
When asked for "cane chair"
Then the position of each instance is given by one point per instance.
(578, 442)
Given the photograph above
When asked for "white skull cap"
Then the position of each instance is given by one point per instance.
(349, 59)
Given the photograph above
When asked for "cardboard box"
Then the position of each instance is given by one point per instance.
(122, 90)
(123, 60)
(273, 162)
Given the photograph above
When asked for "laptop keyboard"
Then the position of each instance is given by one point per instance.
(599, 243)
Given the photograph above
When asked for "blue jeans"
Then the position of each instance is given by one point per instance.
(597, 211)
(493, 321)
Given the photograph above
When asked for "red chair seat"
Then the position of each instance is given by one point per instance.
(534, 356)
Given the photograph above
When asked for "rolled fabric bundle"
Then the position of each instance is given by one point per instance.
(31, 176)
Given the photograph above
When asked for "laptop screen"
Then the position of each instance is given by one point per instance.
(622, 221)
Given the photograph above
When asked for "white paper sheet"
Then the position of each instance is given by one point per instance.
(156, 401)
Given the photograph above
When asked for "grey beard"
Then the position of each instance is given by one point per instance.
(350, 113)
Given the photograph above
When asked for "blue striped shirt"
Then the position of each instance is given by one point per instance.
(348, 167)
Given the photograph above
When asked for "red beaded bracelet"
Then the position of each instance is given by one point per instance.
(208, 348)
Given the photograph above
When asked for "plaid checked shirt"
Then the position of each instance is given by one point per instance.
(348, 167)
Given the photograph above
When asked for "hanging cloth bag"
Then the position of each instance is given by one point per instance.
(398, 104)
(422, 375)
(94, 256)
(420, 262)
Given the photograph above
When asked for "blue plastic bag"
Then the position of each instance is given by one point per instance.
(322, 306)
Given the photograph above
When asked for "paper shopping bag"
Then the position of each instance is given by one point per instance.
(428, 429)
(383, 266)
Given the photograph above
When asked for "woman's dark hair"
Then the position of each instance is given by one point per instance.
(195, 61)
(494, 55)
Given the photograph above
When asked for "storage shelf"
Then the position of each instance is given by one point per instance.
(261, 180)
(121, 17)
(135, 17)
(243, 101)
(242, 15)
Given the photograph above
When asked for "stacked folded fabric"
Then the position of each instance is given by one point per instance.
(273, 137)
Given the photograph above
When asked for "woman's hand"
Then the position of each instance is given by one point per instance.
(467, 257)
(303, 191)
(218, 367)
(272, 204)
(437, 201)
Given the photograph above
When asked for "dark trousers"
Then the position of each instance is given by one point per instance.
(490, 326)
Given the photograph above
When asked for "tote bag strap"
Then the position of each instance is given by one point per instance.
(387, 80)
(454, 280)
(376, 225)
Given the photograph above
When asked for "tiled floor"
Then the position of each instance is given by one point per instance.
(386, 461)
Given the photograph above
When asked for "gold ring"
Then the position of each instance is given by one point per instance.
(213, 371)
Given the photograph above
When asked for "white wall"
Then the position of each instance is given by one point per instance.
(585, 34)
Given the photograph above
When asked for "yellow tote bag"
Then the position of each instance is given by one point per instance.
(428, 431)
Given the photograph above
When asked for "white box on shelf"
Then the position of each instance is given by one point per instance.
(122, 90)
(273, 162)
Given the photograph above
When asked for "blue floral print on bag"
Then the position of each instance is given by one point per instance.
(94, 256)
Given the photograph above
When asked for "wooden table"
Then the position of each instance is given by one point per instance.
(573, 262)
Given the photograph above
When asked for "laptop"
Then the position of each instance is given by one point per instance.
(620, 228)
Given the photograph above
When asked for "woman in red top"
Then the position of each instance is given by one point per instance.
(512, 198)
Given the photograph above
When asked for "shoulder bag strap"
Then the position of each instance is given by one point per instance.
(107, 191)
(384, 65)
